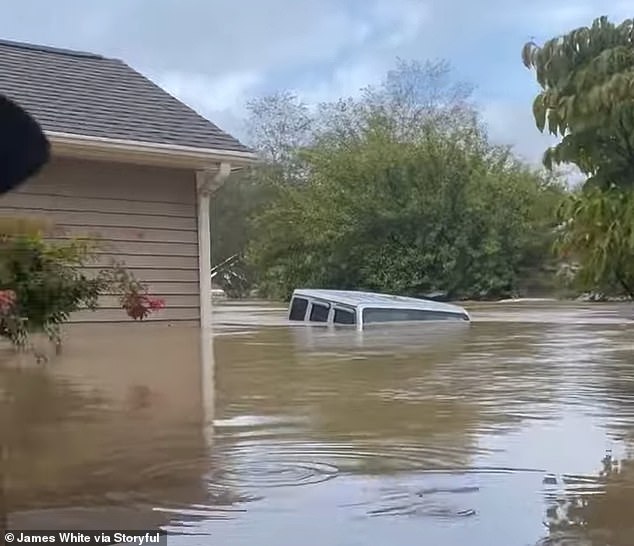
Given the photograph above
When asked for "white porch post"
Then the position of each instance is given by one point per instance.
(206, 183)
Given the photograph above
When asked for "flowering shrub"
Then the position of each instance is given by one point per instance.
(134, 298)
(42, 283)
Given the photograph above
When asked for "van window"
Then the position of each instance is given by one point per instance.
(395, 315)
(344, 317)
(298, 309)
(319, 312)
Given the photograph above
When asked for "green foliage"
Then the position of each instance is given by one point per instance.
(587, 77)
(389, 208)
(598, 233)
(47, 283)
(233, 206)
(43, 282)
(407, 231)
(398, 190)
(279, 126)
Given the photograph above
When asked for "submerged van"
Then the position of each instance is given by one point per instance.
(352, 308)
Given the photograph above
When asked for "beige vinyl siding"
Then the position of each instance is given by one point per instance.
(123, 234)
(143, 216)
(103, 220)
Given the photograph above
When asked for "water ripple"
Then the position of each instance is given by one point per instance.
(268, 472)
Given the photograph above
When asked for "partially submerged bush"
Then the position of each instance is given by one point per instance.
(42, 283)
(133, 295)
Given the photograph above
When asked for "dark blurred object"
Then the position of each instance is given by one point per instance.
(24, 149)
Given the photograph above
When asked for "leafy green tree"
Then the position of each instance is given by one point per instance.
(587, 98)
(587, 77)
(598, 233)
(404, 193)
(278, 127)
(232, 208)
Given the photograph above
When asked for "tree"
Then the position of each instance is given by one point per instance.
(413, 97)
(587, 98)
(587, 77)
(233, 206)
(598, 233)
(278, 127)
(404, 193)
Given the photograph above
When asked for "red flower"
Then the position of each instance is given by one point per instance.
(7, 301)
(138, 306)
(156, 304)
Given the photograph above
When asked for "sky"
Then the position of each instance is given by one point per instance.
(215, 55)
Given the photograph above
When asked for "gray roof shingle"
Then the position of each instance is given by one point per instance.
(86, 94)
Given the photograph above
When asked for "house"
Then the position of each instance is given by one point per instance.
(130, 164)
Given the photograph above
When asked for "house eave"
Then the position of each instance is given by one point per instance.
(145, 153)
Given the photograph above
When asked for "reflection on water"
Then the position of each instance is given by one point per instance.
(104, 433)
(515, 429)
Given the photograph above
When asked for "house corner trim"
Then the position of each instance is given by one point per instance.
(207, 182)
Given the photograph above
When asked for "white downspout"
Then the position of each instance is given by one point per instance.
(206, 183)
(208, 384)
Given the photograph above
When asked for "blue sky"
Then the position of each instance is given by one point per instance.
(216, 54)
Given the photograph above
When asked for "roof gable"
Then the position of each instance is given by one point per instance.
(86, 94)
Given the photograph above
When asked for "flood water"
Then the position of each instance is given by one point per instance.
(516, 429)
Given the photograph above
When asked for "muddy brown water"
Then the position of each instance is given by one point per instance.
(514, 430)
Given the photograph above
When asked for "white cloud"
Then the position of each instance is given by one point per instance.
(344, 81)
(512, 122)
(226, 92)
(221, 100)
(404, 19)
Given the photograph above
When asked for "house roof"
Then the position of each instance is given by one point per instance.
(84, 94)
